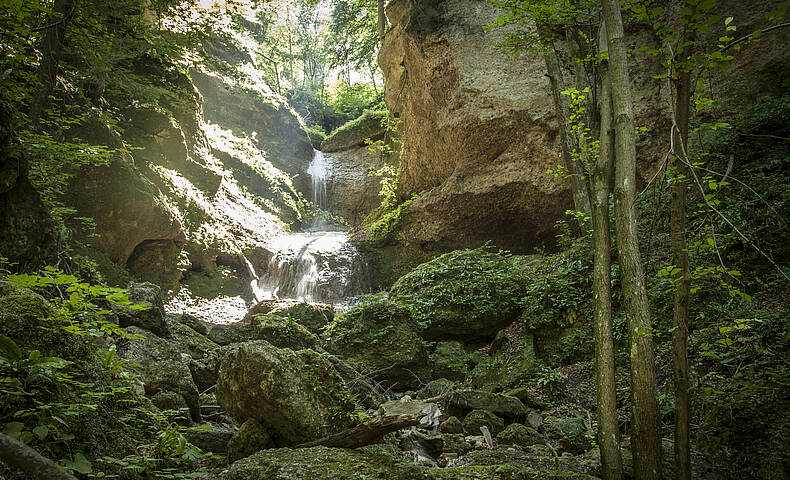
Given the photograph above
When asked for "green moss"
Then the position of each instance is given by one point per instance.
(466, 293)
(282, 332)
(313, 317)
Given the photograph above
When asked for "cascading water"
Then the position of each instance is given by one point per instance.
(318, 265)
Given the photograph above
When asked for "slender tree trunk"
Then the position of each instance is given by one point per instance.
(683, 279)
(382, 21)
(290, 49)
(645, 441)
(606, 397)
(51, 51)
(579, 186)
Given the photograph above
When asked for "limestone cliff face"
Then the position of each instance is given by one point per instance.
(217, 167)
(478, 131)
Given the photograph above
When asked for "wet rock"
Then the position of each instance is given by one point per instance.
(297, 396)
(502, 405)
(379, 336)
(283, 332)
(230, 333)
(250, 438)
(174, 377)
(356, 132)
(152, 317)
(451, 425)
(478, 418)
(195, 344)
(455, 443)
(147, 349)
(520, 435)
(193, 322)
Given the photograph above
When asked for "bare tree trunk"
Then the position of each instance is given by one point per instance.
(579, 187)
(683, 279)
(366, 433)
(645, 441)
(51, 51)
(382, 21)
(606, 396)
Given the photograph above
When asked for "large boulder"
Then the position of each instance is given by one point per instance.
(502, 405)
(355, 133)
(313, 316)
(297, 396)
(226, 334)
(379, 336)
(468, 294)
(283, 332)
(251, 437)
(481, 418)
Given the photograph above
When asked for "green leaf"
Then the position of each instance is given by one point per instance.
(10, 348)
(80, 464)
(41, 432)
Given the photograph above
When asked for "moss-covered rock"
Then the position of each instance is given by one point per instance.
(250, 438)
(297, 396)
(313, 316)
(451, 425)
(144, 348)
(355, 132)
(320, 463)
(210, 437)
(174, 377)
(478, 418)
(230, 333)
(506, 368)
(283, 332)
(152, 317)
(502, 405)
(518, 434)
(572, 433)
(379, 335)
(193, 343)
(462, 294)
(450, 360)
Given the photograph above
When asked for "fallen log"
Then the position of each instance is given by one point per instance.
(367, 433)
(17, 455)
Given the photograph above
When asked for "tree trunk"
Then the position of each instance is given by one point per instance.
(645, 441)
(579, 187)
(606, 397)
(17, 455)
(683, 279)
(382, 21)
(367, 433)
(51, 51)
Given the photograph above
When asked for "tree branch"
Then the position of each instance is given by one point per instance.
(17, 455)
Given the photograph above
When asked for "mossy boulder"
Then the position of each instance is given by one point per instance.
(189, 341)
(151, 317)
(174, 377)
(210, 437)
(379, 335)
(468, 294)
(520, 435)
(451, 425)
(143, 347)
(230, 333)
(297, 396)
(313, 316)
(321, 463)
(506, 368)
(250, 438)
(571, 432)
(283, 332)
(478, 418)
(502, 405)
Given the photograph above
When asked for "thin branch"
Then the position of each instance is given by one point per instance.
(747, 37)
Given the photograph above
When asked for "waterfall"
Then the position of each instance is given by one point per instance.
(318, 265)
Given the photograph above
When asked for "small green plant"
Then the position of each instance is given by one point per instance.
(551, 379)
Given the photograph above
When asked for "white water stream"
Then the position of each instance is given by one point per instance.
(318, 265)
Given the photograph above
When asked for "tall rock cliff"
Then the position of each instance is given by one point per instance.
(478, 129)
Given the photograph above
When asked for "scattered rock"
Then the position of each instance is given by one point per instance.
(251, 437)
(152, 317)
(230, 333)
(174, 377)
(210, 437)
(479, 418)
(451, 425)
(517, 434)
(534, 419)
(528, 397)
(313, 316)
(283, 332)
(502, 405)
(455, 443)
(572, 433)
